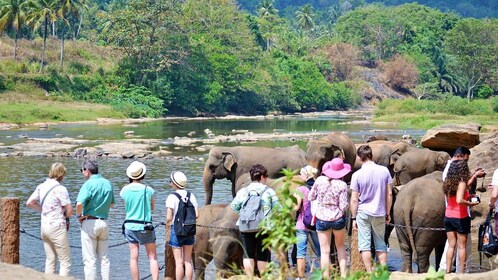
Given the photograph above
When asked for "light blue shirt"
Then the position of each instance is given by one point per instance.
(136, 207)
(96, 195)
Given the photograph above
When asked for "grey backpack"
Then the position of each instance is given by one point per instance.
(251, 213)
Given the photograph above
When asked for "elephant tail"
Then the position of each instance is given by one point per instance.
(409, 231)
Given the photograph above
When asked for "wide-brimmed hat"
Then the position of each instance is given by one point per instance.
(136, 170)
(179, 179)
(336, 168)
(308, 171)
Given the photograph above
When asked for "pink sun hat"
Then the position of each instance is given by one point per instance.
(336, 168)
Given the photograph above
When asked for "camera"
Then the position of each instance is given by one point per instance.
(475, 199)
(148, 226)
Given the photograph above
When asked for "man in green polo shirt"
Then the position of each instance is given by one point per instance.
(94, 200)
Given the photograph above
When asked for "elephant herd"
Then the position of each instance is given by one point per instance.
(417, 203)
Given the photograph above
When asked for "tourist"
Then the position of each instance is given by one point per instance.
(307, 174)
(93, 203)
(182, 246)
(52, 200)
(493, 199)
(138, 228)
(456, 218)
(461, 153)
(332, 195)
(371, 199)
(252, 242)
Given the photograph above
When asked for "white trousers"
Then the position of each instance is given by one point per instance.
(443, 264)
(95, 248)
(56, 245)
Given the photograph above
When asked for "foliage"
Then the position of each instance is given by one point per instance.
(343, 57)
(281, 228)
(432, 274)
(379, 273)
(399, 73)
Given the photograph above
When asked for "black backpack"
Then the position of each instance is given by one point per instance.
(185, 220)
(488, 243)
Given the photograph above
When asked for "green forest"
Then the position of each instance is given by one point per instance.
(151, 58)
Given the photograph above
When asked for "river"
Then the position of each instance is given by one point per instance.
(19, 176)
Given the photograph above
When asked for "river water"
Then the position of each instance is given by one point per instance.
(19, 176)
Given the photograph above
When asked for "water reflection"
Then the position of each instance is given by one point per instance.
(20, 176)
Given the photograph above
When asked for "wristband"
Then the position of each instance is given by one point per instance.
(353, 218)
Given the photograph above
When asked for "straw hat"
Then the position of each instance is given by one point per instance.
(179, 179)
(136, 170)
(308, 171)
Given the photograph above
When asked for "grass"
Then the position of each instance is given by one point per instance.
(36, 107)
(425, 114)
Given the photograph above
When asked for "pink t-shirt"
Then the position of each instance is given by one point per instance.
(332, 196)
(305, 204)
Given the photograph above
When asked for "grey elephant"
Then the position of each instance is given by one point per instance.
(420, 203)
(385, 153)
(328, 147)
(202, 247)
(416, 163)
(231, 162)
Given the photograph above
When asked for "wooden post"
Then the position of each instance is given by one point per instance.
(10, 230)
(169, 269)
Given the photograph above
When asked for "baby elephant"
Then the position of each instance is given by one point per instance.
(417, 163)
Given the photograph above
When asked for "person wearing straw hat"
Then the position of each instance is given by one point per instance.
(371, 200)
(137, 228)
(332, 195)
(52, 200)
(182, 246)
(307, 174)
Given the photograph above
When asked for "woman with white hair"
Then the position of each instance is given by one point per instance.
(52, 200)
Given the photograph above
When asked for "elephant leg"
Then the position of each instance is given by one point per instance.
(406, 250)
(387, 234)
(439, 254)
(423, 254)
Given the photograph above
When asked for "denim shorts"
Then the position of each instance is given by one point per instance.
(140, 236)
(335, 225)
(179, 241)
(302, 242)
(371, 227)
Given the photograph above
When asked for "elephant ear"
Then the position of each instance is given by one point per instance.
(394, 157)
(440, 162)
(229, 160)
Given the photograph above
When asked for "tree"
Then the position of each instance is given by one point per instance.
(66, 10)
(12, 16)
(305, 16)
(400, 73)
(343, 57)
(40, 13)
(267, 9)
(473, 44)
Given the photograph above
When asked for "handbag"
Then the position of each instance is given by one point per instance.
(488, 243)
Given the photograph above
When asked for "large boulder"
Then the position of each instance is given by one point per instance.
(451, 136)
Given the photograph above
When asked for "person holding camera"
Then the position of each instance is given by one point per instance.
(52, 200)
(138, 228)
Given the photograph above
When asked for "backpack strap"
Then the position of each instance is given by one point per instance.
(43, 200)
(180, 197)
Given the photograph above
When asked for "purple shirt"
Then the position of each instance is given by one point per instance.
(332, 196)
(371, 181)
(304, 205)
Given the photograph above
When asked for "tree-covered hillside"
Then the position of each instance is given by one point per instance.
(212, 58)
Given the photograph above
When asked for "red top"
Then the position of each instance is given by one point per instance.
(455, 210)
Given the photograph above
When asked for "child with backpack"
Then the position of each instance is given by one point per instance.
(332, 195)
(254, 203)
(304, 228)
(182, 212)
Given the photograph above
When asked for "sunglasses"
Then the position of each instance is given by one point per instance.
(82, 169)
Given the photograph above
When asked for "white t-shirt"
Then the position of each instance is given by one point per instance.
(494, 183)
(445, 171)
(172, 201)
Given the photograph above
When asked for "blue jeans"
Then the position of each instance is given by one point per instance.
(370, 226)
(302, 242)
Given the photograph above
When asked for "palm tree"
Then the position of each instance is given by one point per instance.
(305, 17)
(67, 9)
(267, 9)
(12, 16)
(42, 13)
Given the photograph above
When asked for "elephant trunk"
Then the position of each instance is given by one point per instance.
(208, 181)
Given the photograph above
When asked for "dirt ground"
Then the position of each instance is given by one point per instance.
(9, 271)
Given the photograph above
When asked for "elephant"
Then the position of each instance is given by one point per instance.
(420, 203)
(385, 153)
(418, 162)
(328, 147)
(231, 162)
(203, 251)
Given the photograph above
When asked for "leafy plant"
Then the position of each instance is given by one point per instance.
(432, 274)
